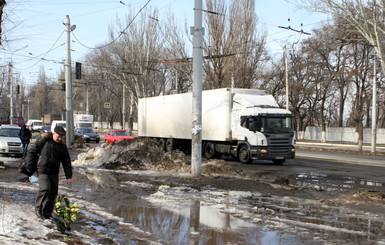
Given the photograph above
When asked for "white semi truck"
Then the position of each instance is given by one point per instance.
(247, 124)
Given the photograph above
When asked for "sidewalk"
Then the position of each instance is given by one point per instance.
(350, 147)
(341, 153)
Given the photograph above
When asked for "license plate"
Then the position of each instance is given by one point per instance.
(279, 158)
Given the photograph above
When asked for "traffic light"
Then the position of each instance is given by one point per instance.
(63, 87)
(78, 70)
(17, 89)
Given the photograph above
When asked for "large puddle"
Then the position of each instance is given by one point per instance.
(182, 215)
(330, 182)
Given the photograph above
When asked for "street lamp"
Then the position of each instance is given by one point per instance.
(68, 78)
(10, 78)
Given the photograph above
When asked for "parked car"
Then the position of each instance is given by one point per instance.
(46, 128)
(87, 134)
(18, 121)
(10, 143)
(116, 134)
(34, 125)
(58, 123)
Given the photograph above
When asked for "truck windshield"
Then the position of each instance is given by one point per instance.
(268, 124)
(85, 125)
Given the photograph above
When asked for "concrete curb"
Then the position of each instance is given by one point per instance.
(341, 157)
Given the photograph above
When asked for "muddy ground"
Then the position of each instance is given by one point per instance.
(145, 188)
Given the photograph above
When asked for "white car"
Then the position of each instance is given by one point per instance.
(58, 123)
(10, 144)
(34, 125)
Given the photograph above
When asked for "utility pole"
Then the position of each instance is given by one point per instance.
(87, 99)
(124, 106)
(286, 79)
(68, 78)
(196, 137)
(374, 107)
(10, 78)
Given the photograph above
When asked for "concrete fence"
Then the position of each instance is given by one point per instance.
(115, 125)
(341, 135)
(347, 135)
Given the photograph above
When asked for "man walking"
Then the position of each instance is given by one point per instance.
(47, 153)
(25, 137)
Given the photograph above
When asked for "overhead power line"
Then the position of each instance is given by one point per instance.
(291, 29)
(120, 34)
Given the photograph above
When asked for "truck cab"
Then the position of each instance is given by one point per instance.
(267, 136)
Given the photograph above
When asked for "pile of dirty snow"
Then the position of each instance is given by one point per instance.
(136, 154)
(146, 154)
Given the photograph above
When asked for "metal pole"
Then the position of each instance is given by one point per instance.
(124, 106)
(287, 80)
(28, 109)
(10, 93)
(374, 107)
(68, 78)
(196, 137)
(87, 98)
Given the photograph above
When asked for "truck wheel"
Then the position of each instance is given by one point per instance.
(209, 150)
(244, 154)
(279, 161)
(162, 144)
(169, 145)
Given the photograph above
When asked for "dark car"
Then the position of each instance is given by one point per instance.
(46, 128)
(87, 134)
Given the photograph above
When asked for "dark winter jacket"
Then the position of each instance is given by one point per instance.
(25, 135)
(45, 156)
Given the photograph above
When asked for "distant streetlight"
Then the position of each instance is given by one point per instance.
(10, 78)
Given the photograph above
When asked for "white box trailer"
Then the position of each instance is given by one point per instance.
(234, 122)
(83, 121)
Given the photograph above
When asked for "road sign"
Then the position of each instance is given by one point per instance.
(107, 105)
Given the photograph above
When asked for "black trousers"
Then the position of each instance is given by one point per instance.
(47, 193)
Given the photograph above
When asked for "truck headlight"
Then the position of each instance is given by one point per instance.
(263, 150)
(3, 143)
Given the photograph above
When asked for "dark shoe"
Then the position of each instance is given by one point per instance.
(38, 214)
(47, 216)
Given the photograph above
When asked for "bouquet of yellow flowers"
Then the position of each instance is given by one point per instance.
(65, 214)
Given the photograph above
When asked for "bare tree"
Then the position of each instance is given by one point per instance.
(234, 47)
(177, 58)
(366, 17)
(2, 5)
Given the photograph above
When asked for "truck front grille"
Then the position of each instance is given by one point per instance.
(279, 145)
(279, 141)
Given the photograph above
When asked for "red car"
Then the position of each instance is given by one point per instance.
(116, 134)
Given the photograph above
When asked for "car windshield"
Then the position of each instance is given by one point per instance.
(61, 125)
(119, 133)
(18, 120)
(85, 130)
(9, 132)
(37, 123)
